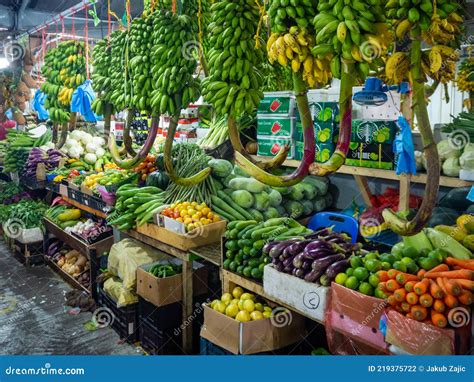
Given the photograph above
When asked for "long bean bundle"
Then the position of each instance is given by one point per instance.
(189, 160)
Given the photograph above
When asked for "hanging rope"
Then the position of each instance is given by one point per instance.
(127, 8)
(62, 27)
(43, 49)
(73, 29)
(86, 37)
(260, 23)
(56, 34)
(200, 52)
(173, 6)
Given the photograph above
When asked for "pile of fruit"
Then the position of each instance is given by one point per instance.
(146, 167)
(165, 270)
(242, 306)
(191, 214)
(107, 178)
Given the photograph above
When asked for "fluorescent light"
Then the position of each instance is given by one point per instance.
(4, 63)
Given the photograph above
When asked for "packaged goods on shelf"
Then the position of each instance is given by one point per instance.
(277, 103)
(324, 132)
(323, 151)
(272, 126)
(372, 155)
(366, 131)
(270, 146)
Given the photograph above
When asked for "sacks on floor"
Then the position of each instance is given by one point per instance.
(122, 296)
(126, 256)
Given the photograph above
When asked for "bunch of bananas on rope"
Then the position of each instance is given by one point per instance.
(120, 84)
(465, 78)
(234, 81)
(440, 63)
(172, 67)
(438, 19)
(101, 81)
(352, 31)
(64, 70)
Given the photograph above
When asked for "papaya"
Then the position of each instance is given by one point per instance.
(468, 242)
(70, 214)
(466, 222)
(457, 233)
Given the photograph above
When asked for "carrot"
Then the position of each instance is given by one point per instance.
(438, 268)
(382, 275)
(419, 312)
(392, 273)
(466, 264)
(383, 286)
(451, 301)
(400, 294)
(466, 284)
(409, 315)
(406, 307)
(439, 306)
(421, 287)
(402, 278)
(435, 290)
(399, 308)
(426, 300)
(392, 285)
(412, 298)
(465, 297)
(440, 283)
(421, 273)
(391, 300)
(409, 286)
(452, 287)
(460, 274)
(439, 319)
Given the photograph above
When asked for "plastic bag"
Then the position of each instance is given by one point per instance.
(447, 149)
(38, 105)
(404, 148)
(123, 297)
(126, 256)
(82, 100)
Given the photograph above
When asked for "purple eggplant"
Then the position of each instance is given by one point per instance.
(279, 267)
(323, 263)
(324, 280)
(277, 250)
(307, 265)
(313, 276)
(322, 232)
(298, 260)
(293, 272)
(288, 261)
(276, 261)
(317, 244)
(296, 248)
(337, 267)
(267, 247)
(317, 253)
(288, 269)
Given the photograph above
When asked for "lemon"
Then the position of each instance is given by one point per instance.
(213, 303)
(243, 316)
(259, 307)
(237, 292)
(266, 308)
(256, 315)
(226, 298)
(249, 306)
(267, 314)
(231, 310)
(247, 296)
(241, 304)
(220, 307)
(235, 301)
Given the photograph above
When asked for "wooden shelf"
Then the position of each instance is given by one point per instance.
(83, 207)
(444, 181)
(66, 276)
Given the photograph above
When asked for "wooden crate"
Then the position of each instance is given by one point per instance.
(28, 254)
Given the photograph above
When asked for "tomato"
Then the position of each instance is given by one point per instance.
(176, 215)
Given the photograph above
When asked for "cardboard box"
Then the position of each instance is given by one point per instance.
(254, 336)
(323, 151)
(323, 112)
(372, 155)
(309, 298)
(272, 126)
(366, 131)
(164, 291)
(277, 103)
(270, 146)
(208, 234)
(324, 132)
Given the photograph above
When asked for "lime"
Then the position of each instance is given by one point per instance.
(233, 266)
(259, 306)
(412, 268)
(256, 315)
(349, 271)
(373, 265)
(371, 256)
(427, 263)
(226, 263)
(409, 252)
(386, 266)
(436, 255)
(374, 280)
(399, 266)
(361, 273)
(352, 283)
(356, 261)
(380, 293)
(387, 257)
(366, 288)
(341, 278)
(407, 260)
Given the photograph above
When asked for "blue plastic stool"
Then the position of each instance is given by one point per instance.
(341, 223)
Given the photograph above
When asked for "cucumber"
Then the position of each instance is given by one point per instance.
(245, 230)
(241, 225)
(257, 234)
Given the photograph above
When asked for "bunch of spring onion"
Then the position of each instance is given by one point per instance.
(219, 131)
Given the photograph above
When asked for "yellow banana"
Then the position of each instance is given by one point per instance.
(436, 60)
(341, 32)
(402, 28)
(295, 65)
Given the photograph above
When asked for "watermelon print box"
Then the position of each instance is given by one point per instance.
(271, 126)
(270, 146)
(277, 103)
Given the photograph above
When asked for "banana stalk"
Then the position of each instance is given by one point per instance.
(107, 119)
(168, 159)
(309, 145)
(141, 155)
(429, 90)
(65, 128)
(234, 137)
(127, 140)
(345, 109)
(72, 121)
(397, 224)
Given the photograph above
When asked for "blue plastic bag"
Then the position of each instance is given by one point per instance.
(38, 105)
(82, 100)
(404, 149)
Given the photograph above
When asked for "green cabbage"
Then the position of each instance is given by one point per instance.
(451, 167)
(447, 150)
(467, 160)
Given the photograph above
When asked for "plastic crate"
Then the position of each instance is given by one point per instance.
(75, 194)
(125, 321)
(159, 342)
(162, 318)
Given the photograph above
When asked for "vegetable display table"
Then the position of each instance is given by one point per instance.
(210, 253)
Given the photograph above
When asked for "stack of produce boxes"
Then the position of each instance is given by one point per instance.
(276, 123)
(326, 118)
(372, 144)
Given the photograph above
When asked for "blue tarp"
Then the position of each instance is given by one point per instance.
(38, 105)
(82, 99)
(404, 149)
